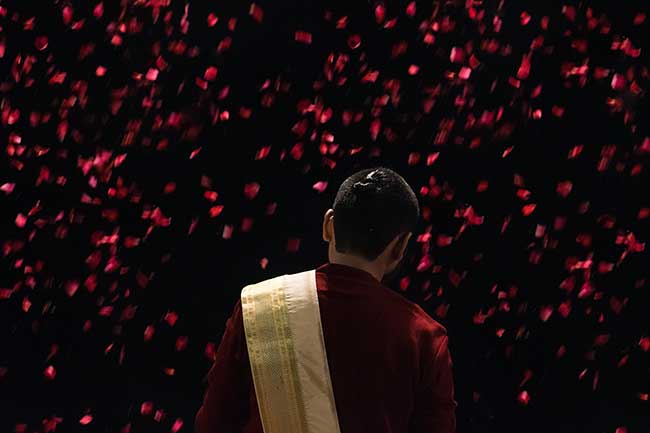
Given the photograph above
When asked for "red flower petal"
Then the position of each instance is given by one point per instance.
(49, 372)
(303, 37)
(380, 13)
(354, 42)
(211, 73)
(464, 73)
(410, 9)
(152, 74)
(523, 398)
(457, 55)
(21, 220)
(41, 43)
(293, 245)
(146, 408)
(178, 424)
(528, 209)
(320, 186)
(251, 190)
(256, 13)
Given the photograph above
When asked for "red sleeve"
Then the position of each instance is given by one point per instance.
(435, 404)
(225, 406)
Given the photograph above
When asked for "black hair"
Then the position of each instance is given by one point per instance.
(372, 207)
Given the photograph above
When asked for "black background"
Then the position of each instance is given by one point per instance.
(202, 277)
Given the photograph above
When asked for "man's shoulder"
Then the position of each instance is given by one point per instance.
(428, 323)
(259, 285)
(270, 285)
(419, 319)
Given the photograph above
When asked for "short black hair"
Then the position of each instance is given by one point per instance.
(371, 207)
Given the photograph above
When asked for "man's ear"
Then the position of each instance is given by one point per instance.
(328, 229)
(402, 243)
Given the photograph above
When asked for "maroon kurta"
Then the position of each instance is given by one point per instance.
(390, 365)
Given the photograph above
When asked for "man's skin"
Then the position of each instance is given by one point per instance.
(387, 261)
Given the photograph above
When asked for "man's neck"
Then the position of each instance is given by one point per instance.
(356, 262)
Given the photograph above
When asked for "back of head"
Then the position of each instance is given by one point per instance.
(372, 207)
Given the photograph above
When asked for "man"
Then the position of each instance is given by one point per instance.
(388, 360)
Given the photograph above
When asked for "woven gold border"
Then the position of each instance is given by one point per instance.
(272, 357)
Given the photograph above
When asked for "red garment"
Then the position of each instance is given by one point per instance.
(389, 362)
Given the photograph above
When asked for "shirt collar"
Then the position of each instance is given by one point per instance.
(348, 272)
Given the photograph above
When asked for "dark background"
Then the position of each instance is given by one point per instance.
(108, 370)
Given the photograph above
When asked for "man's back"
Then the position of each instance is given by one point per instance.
(388, 361)
(379, 346)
